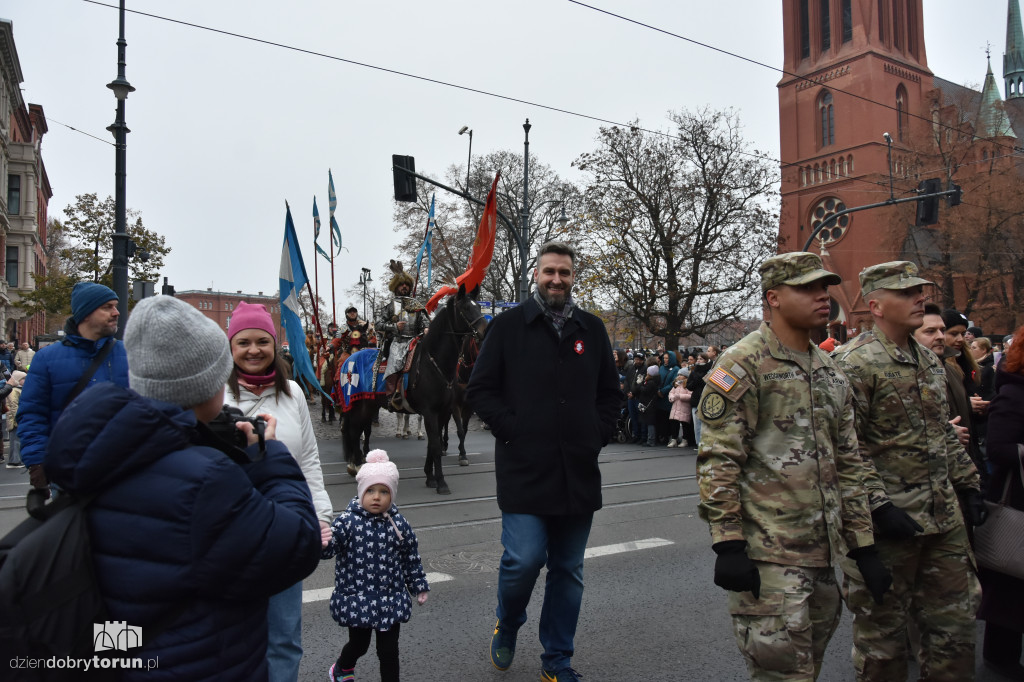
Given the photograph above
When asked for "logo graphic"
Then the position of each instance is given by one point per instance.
(578, 347)
(115, 634)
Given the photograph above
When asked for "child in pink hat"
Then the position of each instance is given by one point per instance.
(378, 565)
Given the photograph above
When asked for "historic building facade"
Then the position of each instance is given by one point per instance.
(219, 305)
(856, 70)
(23, 207)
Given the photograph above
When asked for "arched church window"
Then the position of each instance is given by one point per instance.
(901, 112)
(826, 25)
(828, 133)
(847, 10)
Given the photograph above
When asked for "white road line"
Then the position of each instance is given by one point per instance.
(325, 593)
(621, 547)
(605, 550)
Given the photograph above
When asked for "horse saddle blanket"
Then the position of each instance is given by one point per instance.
(355, 375)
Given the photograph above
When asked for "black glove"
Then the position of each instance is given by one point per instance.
(876, 576)
(894, 523)
(972, 502)
(37, 477)
(734, 570)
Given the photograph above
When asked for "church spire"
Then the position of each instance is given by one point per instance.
(992, 118)
(1013, 58)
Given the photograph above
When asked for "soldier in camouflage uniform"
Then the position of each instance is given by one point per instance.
(902, 426)
(782, 483)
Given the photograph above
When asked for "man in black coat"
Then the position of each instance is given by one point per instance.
(546, 384)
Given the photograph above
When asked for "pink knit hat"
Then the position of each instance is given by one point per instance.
(378, 469)
(251, 316)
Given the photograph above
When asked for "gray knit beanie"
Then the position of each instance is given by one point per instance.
(175, 353)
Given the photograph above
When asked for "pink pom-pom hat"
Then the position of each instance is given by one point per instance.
(378, 469)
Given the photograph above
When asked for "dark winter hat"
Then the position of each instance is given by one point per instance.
(87, 297)
(798, 267)
(954, 318)
(161, 367)
(975, 331)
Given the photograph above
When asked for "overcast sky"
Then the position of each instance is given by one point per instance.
(224, 130)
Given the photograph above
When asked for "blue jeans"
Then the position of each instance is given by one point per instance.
(652, 434)
(284, 634)
(634, 418)
(530, 543)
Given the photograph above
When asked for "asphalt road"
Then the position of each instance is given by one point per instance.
(650, 608)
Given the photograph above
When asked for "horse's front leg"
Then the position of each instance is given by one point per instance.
(433, 425)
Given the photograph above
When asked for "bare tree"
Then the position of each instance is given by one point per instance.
(457, 219)
(675, 225)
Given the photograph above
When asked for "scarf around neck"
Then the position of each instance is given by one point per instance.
(257, 383)
(556, 317)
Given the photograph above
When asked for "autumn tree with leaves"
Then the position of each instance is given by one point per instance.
(673, 225)
(80, 249)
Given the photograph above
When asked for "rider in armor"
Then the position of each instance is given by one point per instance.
(355, 334)
(400, 320)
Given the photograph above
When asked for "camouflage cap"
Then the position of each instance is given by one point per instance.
(899, 274)
(797, 267)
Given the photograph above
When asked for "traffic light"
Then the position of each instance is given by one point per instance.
(405, 184)
(954, 198)
(928, 207)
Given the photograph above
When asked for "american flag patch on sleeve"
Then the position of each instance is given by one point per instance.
(722, 379)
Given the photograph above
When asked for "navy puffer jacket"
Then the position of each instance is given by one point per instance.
(378, 565)
(55, 371)
(179, 523)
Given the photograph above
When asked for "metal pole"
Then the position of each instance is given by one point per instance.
(469, 160)
(119, 254)
(524, 242)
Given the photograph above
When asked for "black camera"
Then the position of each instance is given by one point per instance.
(223, 426)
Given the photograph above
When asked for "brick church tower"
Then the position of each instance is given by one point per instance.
(843, 58)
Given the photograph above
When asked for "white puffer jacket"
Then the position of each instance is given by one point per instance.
(295, 430)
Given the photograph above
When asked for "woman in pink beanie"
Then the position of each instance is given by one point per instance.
(372, 532)
(259, 382)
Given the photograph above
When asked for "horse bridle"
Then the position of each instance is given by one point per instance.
(472, 326)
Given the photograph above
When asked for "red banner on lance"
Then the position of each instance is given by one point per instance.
(483, 250)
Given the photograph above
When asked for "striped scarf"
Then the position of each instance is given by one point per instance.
(556, 317)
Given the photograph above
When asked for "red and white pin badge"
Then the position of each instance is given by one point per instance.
(578, 347)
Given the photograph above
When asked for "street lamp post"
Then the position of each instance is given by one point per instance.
(119, 256)
(469, 159)
(524, 242)
(364, 279)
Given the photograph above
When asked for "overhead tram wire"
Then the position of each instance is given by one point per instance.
(782, 71)
(241, 36)
(466, 88)
(81, 132)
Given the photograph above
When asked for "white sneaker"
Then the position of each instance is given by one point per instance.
(672, 443)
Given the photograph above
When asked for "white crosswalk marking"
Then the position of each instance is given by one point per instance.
(591, 553)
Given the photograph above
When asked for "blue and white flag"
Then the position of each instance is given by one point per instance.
(354, 379)
(291, 280)
(427, 246)
(333, 201)
(316, 231)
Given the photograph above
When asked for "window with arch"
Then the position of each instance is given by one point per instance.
(825, 109)
(805, 30)
(826, 25)
(835, 169)
(843, 166)
(847, 20)
(901, 112)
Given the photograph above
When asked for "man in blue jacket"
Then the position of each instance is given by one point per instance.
(550, 423)
(57, 369)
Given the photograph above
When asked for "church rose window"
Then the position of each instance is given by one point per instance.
(824, 209)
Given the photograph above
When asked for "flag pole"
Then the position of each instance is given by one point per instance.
(416, 284)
